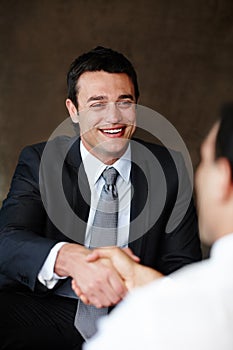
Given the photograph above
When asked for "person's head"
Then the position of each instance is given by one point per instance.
(99, 59)
(214, 179)
(102, 92)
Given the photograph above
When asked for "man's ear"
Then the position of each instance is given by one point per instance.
(72, 110)
(224, 179)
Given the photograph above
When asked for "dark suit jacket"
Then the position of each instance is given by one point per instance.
(27, 233)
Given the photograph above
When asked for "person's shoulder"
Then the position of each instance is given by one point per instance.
(37, 149)
(155, 148)
(162, 153)
(149, 145)
(30, 152)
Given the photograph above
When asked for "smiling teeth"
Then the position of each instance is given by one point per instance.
(112, 131)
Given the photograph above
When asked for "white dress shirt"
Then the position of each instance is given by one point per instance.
(194, 311)
(94, 168)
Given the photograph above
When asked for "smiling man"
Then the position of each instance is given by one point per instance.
(109, 182)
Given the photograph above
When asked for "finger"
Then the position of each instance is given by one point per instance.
(130, 253)
(79, 293)
(110, 290)
(76, 288)
(101, 299)
(118, 286)
(93, 256)
(97, 284)
(84, 299)
(97, 303)
(101, 253)
(109, 253)
(102, 295)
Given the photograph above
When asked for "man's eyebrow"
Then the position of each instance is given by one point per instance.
(126, 96)
(97, 98)
(101, 97)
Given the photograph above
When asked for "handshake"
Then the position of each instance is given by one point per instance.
(119, 271)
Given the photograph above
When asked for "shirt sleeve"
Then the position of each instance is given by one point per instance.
(126, 326)
(47, 276)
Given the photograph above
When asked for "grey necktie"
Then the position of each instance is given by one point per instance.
(103, 233)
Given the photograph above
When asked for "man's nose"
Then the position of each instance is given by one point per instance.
(113, 114)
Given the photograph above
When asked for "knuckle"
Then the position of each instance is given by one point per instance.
(98, 283)
(120, 290)
(108, 272)
(115, 300)
(97, 303)
(91, 286)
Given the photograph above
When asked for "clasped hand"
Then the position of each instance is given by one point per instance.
(106, 277)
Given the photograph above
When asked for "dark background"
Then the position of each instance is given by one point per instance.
(182, 51)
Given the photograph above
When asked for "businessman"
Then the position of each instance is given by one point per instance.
(114, 192)
(193, 309)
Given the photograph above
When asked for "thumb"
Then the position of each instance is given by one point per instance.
(130, 253)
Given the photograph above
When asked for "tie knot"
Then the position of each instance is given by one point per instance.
(110, 176)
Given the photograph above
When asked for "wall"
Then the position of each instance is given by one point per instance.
(182, 51)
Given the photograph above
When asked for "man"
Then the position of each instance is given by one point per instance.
(193, 308)
(42, 249)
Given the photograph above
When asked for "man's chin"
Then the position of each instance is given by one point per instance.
(111, 150)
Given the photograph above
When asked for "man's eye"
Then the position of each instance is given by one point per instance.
(125, 104)
(98, 105)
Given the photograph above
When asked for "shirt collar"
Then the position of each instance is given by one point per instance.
(222, 248)
(94, 167)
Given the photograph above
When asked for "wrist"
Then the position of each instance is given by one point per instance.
(68, 258)
(144, 275)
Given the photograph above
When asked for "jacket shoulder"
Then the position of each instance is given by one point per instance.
(38, 148)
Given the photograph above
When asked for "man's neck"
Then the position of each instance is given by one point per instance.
(107, 159)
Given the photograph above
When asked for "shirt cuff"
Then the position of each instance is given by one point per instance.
(46, 275)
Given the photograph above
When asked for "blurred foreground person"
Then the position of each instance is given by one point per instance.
(193, 308)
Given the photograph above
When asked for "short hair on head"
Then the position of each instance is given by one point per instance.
(224, 138)
(99, 59)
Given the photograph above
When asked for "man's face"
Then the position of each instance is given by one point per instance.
(207, 188)
(106, 113)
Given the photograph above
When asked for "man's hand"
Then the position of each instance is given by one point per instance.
(97, 282)
(127, 265)
(123, 262)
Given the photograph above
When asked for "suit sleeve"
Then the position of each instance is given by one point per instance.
(23, 242)
(180, 243)
(173, 241)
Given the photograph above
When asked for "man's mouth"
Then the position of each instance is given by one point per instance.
(113, 132)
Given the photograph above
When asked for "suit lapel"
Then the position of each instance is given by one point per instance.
(139, 190)
(77, 187)
(78, 192)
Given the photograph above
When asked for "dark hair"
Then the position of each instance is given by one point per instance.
(98, 59)
(224, 139)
